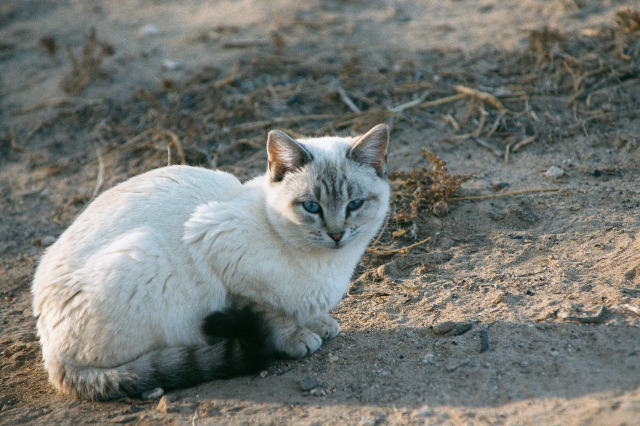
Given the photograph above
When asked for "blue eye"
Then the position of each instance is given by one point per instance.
(354, 205)
(311, 207)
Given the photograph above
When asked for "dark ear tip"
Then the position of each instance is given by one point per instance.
(275, 134)
(380, 128)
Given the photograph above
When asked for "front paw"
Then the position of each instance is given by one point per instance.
(301, 343)
(325, 326)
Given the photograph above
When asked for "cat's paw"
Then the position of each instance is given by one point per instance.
(303, 342)
(325, 326)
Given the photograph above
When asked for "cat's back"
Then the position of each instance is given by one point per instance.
(180, 184)
(159, 201)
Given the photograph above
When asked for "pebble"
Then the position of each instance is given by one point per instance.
(500, 186)
(307, 384)
(424, 412)
(451, 328)
(163, 405)
(124, 419)
(318, 392)
(170, 65)
(152, 394)
(440, 209)
(443, 327)
(554, 172)
(48, 240)
(149, 30)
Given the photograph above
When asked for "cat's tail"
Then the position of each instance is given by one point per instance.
(241, 344)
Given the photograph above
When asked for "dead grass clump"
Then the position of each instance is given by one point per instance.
(423, 189)
(543, 41)
(628, 20)
(594, 68)
(627, 34)
(87, 68)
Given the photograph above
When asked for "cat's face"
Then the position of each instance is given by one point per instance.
(328, 192)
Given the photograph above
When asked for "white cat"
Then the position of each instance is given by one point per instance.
(183, 274)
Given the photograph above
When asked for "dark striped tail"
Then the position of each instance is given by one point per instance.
(241, 344)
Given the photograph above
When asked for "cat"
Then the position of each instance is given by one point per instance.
(184, 274)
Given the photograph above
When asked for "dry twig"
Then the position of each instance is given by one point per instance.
(441, 101)
(513, 147)
(345, 98)
(386, 251)
(503, 194)
(483, 96)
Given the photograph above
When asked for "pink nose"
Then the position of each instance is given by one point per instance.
(336, 237)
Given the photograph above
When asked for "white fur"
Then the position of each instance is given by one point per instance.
(141, 267)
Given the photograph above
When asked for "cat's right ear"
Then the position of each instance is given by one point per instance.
(371, 149)
(285, 155)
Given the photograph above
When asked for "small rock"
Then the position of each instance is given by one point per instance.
(307, 384)
(424, 412)
(451, 328)
(461, 328)
(152, 394)
(149, 30)
(443, 327)
(382, 271)
(440, 209)
(554, 172)
(264, 373)
(124, 418)
(48, 240)
(170, 65)
(500, 186)
(318, 392)
(427, 358)
(164, 405)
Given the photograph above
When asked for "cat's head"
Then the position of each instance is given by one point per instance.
(328, 192)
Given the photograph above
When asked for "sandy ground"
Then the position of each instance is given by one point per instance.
(519, 258)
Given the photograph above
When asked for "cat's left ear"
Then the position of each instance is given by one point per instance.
(285, 155)
(371, 149)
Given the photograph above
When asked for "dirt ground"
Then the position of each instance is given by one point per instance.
(527, 239)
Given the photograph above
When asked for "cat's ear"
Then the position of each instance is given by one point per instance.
(285, 155)
(371, 149)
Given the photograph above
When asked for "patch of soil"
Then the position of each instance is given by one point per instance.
(483, 230)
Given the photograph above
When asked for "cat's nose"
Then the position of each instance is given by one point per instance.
(337, 236)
